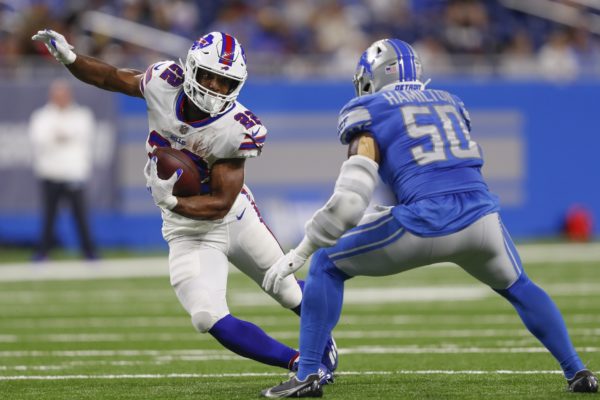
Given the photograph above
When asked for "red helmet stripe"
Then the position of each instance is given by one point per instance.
(227, 49)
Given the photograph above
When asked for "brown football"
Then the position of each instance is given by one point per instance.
(170, 160)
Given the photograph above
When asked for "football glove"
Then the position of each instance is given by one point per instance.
(161, 189)
(286, 265)
(57, 46)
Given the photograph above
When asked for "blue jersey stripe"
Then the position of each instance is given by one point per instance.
(368, 247)
(370, 226)
(365, 238)
(511, 250)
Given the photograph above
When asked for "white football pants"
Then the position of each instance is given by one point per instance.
(198, 266)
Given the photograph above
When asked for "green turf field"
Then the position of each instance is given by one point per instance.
(433, 333)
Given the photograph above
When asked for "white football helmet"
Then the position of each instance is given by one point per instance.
(388, 62)
(221, 54)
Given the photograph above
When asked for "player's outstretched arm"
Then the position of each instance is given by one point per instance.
(226, 182)
(344, 209)
(89, 69)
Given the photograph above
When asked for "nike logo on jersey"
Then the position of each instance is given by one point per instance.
(241, 214)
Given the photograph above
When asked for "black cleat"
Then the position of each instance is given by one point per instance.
(325, 374)
(584, 381)
(310, 387)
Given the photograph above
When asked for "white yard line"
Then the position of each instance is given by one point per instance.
(340, 334)
(289, 334)
(196, 354)
(268, 374)
(157, 266)
(256, 298)
(62, 323)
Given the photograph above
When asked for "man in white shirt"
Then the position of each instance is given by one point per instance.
(61, 135)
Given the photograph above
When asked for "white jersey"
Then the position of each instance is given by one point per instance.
(236, 133)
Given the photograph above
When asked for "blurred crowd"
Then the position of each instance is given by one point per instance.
(321, 38)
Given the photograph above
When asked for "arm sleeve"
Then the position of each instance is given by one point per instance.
(354, 118)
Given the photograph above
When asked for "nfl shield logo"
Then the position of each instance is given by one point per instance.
(183, 129)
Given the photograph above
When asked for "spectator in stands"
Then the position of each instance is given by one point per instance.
(518, 59)
(557, 58)
(61, 134)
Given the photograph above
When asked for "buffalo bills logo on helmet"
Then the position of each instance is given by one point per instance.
(203, 42)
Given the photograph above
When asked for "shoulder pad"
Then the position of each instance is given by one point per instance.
(254, 139)
(354, 118)
(167, 72)
(254, 132)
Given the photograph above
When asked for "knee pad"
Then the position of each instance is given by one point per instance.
(203, 321)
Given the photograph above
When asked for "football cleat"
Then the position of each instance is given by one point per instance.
(584, 381)
(325, 374)
(310, 387)
(330, 356)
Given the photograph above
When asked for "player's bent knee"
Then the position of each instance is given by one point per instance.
(290, 293)
(203, 321)
(515, 288)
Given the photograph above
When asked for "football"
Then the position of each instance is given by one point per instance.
(170, 160)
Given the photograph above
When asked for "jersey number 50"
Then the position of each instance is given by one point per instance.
(459, 147)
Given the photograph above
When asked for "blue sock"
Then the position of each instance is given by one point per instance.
(321, 308)
(543, 319)
(248, 340)
(298, 309)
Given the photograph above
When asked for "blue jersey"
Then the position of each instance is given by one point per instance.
(427, 157)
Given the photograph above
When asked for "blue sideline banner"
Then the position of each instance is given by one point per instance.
(539, 140)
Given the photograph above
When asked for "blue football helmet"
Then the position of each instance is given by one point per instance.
(388, 62)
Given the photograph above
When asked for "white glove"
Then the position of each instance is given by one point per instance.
(286, 265)
(57, 46)
(161, 189)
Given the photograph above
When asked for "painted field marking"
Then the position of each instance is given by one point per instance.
(348, 319)
(269, 374)
(291, 334)
(200, 354)
(158, 266)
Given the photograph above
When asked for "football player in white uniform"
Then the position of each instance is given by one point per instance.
(193, 108)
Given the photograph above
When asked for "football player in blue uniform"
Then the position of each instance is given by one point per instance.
(418, 142)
